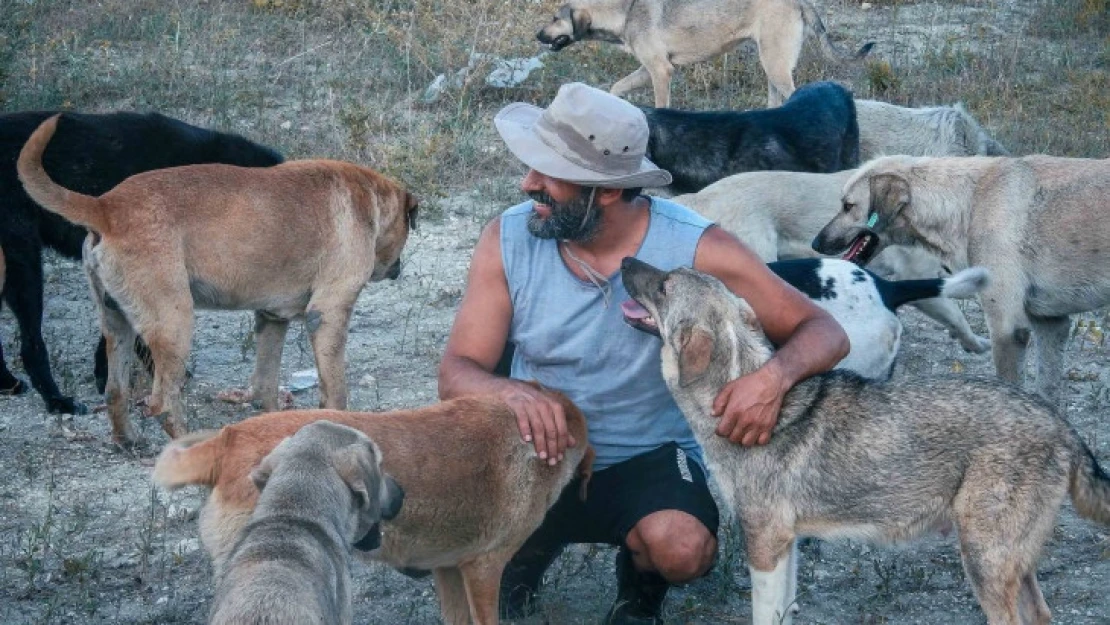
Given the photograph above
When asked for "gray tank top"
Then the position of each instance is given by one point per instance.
(570, 337)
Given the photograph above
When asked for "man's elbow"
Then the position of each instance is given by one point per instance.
(841, 343)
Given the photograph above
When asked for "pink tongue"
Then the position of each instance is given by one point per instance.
(855, 248)
(633, 310)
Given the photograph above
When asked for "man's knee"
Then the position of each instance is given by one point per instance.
(680, 552)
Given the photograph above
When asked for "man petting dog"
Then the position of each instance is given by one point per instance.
(545, 281)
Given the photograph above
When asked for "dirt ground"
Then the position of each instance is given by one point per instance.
(86, 538)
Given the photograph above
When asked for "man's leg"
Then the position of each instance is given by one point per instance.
(664, 517)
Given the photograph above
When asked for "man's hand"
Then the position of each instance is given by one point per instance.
(749, 406)
(541, 421)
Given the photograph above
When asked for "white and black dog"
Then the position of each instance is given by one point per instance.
(864, 304)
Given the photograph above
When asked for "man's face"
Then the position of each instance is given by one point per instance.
(562, 210)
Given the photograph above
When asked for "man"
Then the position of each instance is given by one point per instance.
(545, 277)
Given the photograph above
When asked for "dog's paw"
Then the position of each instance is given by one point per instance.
(65, 405)
(976, 345)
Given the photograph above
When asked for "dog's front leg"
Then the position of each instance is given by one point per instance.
(635, 80)
(482, 578)
(269, 333)
(453, 604)
(773, 568)
(1051, 336)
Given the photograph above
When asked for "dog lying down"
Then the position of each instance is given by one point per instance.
(474, 491)
(322, 491)
(864, 304)
(865, 460)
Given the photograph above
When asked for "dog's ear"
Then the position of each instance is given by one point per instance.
(890, 194)
(695, 351)
(748, 316)
(412, 209)
(357, 466)
(580, 20)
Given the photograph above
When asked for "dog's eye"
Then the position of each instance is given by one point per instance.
(848, 206)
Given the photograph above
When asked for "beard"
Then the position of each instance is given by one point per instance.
(572, 220)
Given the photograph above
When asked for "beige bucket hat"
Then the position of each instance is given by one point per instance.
(586, 136)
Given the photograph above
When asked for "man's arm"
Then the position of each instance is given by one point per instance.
(809, 340)
(477, 340)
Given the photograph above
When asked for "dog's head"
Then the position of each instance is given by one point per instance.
(355, 459)
(393, 236)
(568, 25)
(874, 213)
(709, 334)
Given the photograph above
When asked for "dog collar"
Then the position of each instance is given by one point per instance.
(872, 220)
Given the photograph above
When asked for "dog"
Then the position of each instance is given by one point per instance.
(321, 491)
(474, 491)
(299, 239)
(1035, 222)
(815, 130)
(90, 154)
(865, 304)
(928, 131)
(879, 462)
(777, 214)
(663, 35)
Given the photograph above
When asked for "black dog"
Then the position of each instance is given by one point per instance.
(814, 131)
(90, 154)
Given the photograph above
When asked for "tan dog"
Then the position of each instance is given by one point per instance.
(322, 491)
(664, 34)
(1037, 223)
(473, 490)
(297, 239)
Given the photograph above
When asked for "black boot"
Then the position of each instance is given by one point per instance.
(639, 595)
(522, 580)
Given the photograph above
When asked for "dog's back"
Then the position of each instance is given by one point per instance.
(927, 131)
(815, 131)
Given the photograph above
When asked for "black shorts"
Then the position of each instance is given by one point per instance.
(619, 496)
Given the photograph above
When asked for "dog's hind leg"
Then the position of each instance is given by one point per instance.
(1034, 610)
(119, 336)
(778, 54)
(453, 604)
(772, 562)
(636, 80)
(165, 321)
(948, 314)
(1051, 337)
(269, 332)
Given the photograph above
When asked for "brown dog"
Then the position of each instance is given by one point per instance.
(298, 239)
(474, 491)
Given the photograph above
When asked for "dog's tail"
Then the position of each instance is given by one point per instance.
(962, 285)
(1090, 486)
(190, 459)
(81, 209)
(814, 23)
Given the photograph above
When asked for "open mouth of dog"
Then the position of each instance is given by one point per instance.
(638, 317)
(559, 43)
(372, 540)
(862, 248)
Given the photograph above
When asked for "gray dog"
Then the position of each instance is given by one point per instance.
(878, 462)
(664, 34)
(323, 491)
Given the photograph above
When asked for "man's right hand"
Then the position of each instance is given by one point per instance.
(541, 421)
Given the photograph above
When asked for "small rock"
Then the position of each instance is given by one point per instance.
(303, 380)
(368, 380)
(865, 6)
(286, 125)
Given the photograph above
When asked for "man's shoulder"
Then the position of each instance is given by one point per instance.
(674, 211)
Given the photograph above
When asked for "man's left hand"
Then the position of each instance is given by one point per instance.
(749, 406)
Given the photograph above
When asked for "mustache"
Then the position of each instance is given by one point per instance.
(541, 197)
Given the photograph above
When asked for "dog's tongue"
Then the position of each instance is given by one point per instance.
(633, 310)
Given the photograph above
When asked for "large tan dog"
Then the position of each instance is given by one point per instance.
(323, 491)
(664, 34)
(1038, 224)
(473, 490)
(777, 214)
(298, 239)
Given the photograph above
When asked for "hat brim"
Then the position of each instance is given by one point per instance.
(516, 125)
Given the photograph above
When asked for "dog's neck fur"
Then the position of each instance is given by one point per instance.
(303, 499)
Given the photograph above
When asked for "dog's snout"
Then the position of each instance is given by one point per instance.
(394, 270)
(396, 498)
